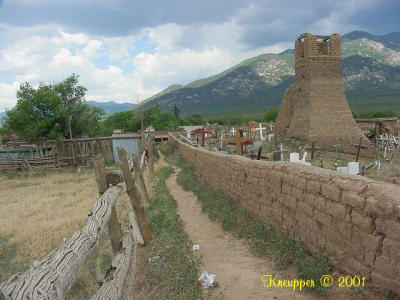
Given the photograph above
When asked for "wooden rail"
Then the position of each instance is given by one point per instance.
(52, 277)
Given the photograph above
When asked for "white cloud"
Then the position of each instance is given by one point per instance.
(181, 54)
(122, 67)
(7, 94)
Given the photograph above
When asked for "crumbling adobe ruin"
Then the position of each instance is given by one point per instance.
(315, 108)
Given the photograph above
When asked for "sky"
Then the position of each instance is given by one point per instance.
(129, 50)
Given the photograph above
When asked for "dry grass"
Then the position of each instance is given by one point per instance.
(38, 211)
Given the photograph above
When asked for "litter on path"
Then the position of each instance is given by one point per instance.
(206, 280)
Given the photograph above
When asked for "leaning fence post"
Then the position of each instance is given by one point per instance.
(140, 180)
(114, 227)
(135, 197)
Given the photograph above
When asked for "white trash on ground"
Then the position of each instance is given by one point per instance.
(196, 247)
(206, 280)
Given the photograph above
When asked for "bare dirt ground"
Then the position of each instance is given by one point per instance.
(238, 271)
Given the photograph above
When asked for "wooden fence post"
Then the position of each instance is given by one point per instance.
(9, 159)
(114, 227)
(135, 197)
(358, 150)
(26, 162)
(151, 155)
(140, 180)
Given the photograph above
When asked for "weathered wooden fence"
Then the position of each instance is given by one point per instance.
(81, 152)
(42, 159)
(53, 276)
(69, 153)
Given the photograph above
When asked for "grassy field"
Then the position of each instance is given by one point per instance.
(39, 210)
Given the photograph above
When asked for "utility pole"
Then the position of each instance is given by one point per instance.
(69, 127)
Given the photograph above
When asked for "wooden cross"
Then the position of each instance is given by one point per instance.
(203, 133)
(359, 147)
(313, 148)
(239, 141)
(252, 128)
(260, 129)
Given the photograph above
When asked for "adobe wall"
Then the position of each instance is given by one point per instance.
(355, 220)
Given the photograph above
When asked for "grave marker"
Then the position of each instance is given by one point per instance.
(203, 133)
(239, 141)
(260, 129)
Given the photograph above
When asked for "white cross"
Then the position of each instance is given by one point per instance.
(260, 129)
(233, 131)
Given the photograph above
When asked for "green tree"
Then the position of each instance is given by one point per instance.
(176, 111)
(368, 114)
(121, 120)
(271, 115)
(52, 111)
(72, 95)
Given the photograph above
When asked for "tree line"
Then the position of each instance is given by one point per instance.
(58, 111)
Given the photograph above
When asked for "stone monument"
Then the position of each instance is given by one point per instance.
(315, 108)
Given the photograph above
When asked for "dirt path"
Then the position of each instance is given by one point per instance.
(238, 271)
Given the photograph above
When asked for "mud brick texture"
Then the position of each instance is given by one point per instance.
(354, 220)
(315, 108)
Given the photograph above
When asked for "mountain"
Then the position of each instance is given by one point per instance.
(111, 106)
(390, 40)
(370, 70)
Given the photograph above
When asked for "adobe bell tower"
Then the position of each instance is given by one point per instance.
(315, 108)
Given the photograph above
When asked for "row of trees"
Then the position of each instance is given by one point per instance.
(58, 111)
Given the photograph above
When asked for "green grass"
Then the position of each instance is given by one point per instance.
(175, 274)
(86, 283)
(264, 240)
(8, 260)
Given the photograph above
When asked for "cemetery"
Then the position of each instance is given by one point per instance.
(313, 175)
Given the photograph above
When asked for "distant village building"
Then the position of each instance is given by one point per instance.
(189, 129)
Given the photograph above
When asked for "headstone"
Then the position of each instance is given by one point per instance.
(353, 168)
(342, 170)
(276, 156)
(303, 160)
(294, 157)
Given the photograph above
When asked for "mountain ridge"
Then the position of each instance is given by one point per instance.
(369, 69)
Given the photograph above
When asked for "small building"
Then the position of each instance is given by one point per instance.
(161, 136)
(127, 140)
(188, 130)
